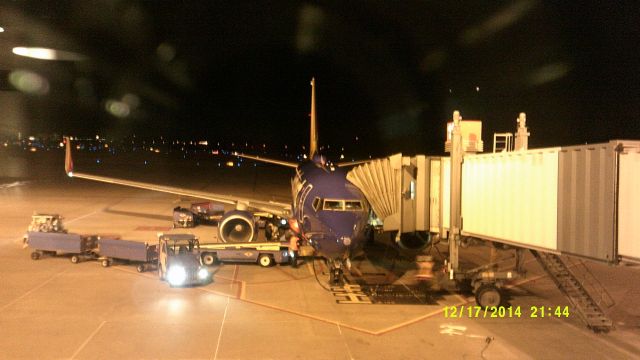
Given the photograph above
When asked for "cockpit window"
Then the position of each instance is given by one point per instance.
(336, 205)
(342, 205)
(350, 205)
(316, 203)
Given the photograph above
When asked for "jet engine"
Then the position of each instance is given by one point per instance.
(237, 226)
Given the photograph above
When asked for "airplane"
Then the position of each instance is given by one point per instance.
(327, 212)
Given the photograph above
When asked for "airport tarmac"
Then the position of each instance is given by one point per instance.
(51, 308)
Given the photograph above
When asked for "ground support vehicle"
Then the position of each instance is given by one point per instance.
(77, 246)
(179, 260)
(263, 253)
(207, 212)
(183, 218)
(145, 256)
(45, 223)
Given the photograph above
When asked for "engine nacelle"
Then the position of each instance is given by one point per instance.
(414, 241)
(237, 226)
(408, 243)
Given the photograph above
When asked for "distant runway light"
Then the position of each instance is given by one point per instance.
(477, 88)
(29, 82)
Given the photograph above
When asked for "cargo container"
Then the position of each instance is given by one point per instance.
(142, 254)
(48, 243)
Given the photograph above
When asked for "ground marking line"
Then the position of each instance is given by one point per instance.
(383, 331)
(224, 317)
(82, 217)
(88, 339)
(32, 290)
(345, 343)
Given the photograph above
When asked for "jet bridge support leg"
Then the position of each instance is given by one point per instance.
(456, 190)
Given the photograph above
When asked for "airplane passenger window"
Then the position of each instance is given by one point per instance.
(352, 205)
(333, 205)
(316, 203)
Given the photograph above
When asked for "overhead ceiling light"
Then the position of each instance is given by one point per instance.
(47, 54)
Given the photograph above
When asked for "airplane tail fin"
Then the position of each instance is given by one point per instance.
(313, 141)
(68, 161)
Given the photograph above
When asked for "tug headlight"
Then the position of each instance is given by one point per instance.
(203, 274)
(176, 275)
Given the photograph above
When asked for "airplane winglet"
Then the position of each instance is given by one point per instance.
(68, 161)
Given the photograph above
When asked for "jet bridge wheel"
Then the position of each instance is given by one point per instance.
(488, 295)
(75, 259)
(35, 255)
(105, 262)
(265, 260)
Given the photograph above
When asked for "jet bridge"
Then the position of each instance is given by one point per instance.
(409, 194)
(396, 187)
(575, 200)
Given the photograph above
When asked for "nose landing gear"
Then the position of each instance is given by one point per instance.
(336, 272)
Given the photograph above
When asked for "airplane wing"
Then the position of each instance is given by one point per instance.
(267, 160)
(353, 163)
(272, 207)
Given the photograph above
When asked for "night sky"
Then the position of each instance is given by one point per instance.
(389, 72)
